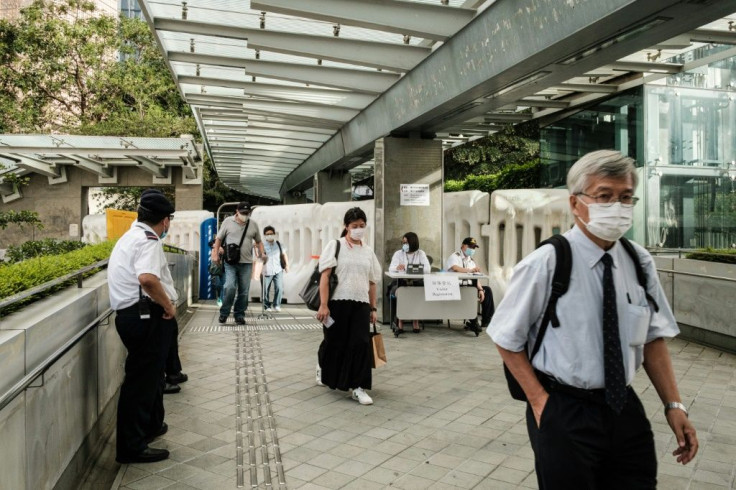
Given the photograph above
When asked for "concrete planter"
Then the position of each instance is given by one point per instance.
(701, 294)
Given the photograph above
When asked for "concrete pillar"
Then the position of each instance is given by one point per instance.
(401, 162)
(332, 187)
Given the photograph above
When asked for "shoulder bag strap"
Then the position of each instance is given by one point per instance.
(247, 224)
(641, 276)
(560, 283)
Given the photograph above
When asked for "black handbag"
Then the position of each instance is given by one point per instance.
(232, 251)
(310, 291)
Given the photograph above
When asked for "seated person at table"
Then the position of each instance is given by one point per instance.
(462, 261)
(409, 254)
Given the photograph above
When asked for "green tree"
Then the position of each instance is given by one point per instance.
(508, 159)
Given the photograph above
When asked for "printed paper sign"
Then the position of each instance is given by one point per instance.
(414, 194)
(441, 288)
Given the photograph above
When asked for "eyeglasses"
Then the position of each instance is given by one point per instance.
(608, 200)
(171, 217)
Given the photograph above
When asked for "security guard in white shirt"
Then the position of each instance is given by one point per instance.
(142, 294)
(462, 261)
(587, 426)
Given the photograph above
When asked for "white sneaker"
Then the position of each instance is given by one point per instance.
(278, 308)
(319, 376)
(269, 309)
(362, 397)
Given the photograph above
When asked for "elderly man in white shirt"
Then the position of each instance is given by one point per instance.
(587, 427)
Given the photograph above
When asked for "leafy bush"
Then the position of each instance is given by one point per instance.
(19, 218)
(40, 248)
(524, 176)
(725, 255)
(30, 273)
(454, 185)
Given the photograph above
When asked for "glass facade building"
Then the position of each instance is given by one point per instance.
(681, 130)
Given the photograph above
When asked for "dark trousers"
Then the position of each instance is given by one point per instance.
(583, 444)
(173, 363)
(346, 353)
(487, 307)
(141, 403)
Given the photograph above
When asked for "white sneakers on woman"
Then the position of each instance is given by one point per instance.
(362, 397)
(319, 376)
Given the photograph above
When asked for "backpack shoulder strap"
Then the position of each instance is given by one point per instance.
(641, 276)
(560, 283)
(281, 252)
(337, 248)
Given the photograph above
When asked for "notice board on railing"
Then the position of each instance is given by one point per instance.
(118, 222)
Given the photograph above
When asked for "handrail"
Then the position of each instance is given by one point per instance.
(54, 282)
(696, 274)
(21, 385)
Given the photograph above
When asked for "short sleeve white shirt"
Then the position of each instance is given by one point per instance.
(357, 267)
(417, 257)
(459, 259)
(273, 263)
(137, 252)
(573, 352)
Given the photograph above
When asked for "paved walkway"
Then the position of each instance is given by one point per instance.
(251, 414)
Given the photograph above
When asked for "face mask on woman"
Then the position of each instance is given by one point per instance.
(405, 247)
(608, 222)
(469, 251)
(357, 233)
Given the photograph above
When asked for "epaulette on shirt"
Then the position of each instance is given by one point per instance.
(150, 235)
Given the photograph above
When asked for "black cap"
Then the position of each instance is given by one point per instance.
(154, 202)
(244, 206)
(470, 242)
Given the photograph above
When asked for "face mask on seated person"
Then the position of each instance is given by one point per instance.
(608, 223)
(405, 247)
(469, 251)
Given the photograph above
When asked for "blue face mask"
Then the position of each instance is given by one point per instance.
(405, 247)
(163, 235)
(469, 251)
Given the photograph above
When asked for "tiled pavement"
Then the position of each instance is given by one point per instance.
(441, 417)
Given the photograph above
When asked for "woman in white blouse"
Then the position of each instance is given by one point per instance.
(346, 354)
(409, 254)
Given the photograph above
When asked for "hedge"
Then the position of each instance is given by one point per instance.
(524, 176)
(41, 248)
(16, 278)
(723, 255)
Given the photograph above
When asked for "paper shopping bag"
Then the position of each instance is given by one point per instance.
(379, 351)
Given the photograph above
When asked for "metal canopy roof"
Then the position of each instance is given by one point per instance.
(50, 154)
(282, 89)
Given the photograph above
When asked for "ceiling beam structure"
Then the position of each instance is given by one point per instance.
(490, 64)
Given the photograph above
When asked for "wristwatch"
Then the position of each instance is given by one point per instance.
(670, 405)
(373, 308)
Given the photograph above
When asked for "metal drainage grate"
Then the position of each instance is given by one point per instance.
(252, 328)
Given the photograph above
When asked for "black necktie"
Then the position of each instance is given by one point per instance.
(613, 363)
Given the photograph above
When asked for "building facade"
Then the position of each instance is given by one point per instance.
(681, 130)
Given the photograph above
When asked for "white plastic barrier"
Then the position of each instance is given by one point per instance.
(303, 230)
(465, 214)
(183, 233)
(519, 220)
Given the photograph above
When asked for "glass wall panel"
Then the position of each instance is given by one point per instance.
(690, 144)
(615, 124)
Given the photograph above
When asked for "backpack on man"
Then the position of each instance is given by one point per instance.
(560, 284)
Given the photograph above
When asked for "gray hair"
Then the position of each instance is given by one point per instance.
(601, 163)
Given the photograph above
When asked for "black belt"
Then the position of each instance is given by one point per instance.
(550, 384)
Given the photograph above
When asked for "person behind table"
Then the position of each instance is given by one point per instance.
(273, 272)
(142, 293)
(586, 424)
(410, 253)
(345, 355)
(237, 276)
(462, 261)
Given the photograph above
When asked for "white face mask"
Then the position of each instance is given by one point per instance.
(357, 233)
(608, 223)
(270, 238)
(405, 247)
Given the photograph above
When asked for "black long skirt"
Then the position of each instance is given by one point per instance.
(346, 354)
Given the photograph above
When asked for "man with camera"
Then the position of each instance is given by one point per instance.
(236, 237)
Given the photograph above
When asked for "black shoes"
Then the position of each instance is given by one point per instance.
(175, 379)
(163, 430)
(222, 319)
(240, 321)
(473, 326)
(148, 455)
(171, 388)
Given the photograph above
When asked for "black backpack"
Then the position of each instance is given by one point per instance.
(560, 283)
